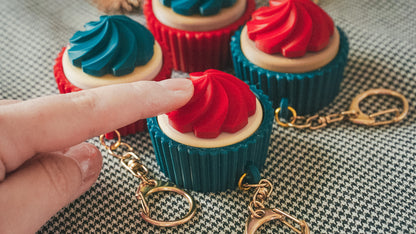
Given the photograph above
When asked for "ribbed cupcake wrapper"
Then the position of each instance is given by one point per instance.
(307, 92)
(196, 51)
(212, 169)
(64, 86)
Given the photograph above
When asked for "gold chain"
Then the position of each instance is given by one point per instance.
(316, 121)
(263, 190)
(354, 114)
(128, 159)
(131, 162)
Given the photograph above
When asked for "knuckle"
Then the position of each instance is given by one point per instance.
(87, 105)
(85, 100)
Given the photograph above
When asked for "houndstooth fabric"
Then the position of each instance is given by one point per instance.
(342, 179)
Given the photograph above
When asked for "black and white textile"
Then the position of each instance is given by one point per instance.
(342, 179)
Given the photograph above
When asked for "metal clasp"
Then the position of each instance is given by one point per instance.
(254, 223)
(370, 120)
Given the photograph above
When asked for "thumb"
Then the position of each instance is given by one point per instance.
(45, 184)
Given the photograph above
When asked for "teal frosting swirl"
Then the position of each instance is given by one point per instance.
(113, 45)
(199, 7)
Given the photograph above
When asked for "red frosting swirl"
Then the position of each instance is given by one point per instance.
(221, 103)
(290, 27)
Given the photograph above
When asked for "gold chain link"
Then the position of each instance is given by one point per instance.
(128, 158)
(263, 190)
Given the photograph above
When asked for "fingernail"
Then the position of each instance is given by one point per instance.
(177, 84)
(89, 160)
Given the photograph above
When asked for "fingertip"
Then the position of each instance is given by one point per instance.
(181, 89)
(177, 84)
(163, 96)
(89, 161)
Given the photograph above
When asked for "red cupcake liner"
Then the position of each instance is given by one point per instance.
(65, 86)
(196, 51)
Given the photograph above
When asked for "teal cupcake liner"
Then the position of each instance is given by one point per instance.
(307, 92)
(212, 169)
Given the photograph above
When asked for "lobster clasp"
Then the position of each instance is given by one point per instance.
(370, 120)
(254, 223)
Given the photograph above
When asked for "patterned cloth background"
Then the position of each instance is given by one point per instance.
(342, 179)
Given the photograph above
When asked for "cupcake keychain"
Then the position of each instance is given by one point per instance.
(207, 144)
(293, 51)
(223, 132)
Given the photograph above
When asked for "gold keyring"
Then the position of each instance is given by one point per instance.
(294, 115)
(362, 118)
(163, 186)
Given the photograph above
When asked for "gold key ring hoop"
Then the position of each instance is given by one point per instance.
(161, 186)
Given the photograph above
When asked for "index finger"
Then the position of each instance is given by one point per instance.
(55, 122)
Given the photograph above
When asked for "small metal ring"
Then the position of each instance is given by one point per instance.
(114, 145)
(160, 186)
(294, 115)
(122, 157)
(240, 183)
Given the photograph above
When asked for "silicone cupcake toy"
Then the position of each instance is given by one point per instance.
(115, 49)
(292, 50)
(207, 144)
(197, 32)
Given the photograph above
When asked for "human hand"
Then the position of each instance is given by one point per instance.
(43, 165)
(115, 6)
